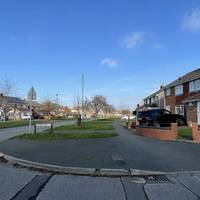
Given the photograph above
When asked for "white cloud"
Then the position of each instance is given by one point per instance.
(109, 62)
(192, 20)
(158, 45)
(132, 40)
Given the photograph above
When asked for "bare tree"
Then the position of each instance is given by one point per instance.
(99, 104)
(125, 111)
(6, 89)
(48, 106)
(109, 109)
(87, 105)
(77, 103)
(66, 110)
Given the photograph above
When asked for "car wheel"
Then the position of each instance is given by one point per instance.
(156, 124)
(180, 122)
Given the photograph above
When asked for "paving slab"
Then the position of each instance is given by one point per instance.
(168, 192)
(191, 181)
(12, 180)
(134, 188)
(84, 188)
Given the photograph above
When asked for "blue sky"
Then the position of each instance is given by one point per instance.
(125, 48)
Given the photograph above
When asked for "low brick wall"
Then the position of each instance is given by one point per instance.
(196, 133)
(170, 133)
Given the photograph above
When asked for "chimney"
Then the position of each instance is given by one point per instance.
(162, 87)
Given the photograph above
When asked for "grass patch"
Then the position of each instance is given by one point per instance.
(64, 136)
(89, 125)
(16, 123)
(185, 133)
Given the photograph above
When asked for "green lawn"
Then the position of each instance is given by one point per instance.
(62, 133)
(185, 133)
(63, 136)
(88, 125)
(15, 123)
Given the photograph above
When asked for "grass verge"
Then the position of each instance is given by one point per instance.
(16, 123)
(89, 125)
(185, 133)
(64, 136)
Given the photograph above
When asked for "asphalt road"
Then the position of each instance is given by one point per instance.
(7, 133)
(23, 184)
(125, 151)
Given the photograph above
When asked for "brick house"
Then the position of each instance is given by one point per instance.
(156, 99)
(182, 96)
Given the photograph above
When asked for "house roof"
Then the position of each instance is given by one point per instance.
(154, 94)
(185, 78)
(193, 98)
(14, 100)
(19, 101)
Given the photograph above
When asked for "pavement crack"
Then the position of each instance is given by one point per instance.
(124, 189)
(183, 185)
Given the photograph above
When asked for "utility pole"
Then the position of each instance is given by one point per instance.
(82, 77)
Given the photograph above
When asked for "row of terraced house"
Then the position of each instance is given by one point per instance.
(181, 96)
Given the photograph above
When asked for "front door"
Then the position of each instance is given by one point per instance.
(198, 112)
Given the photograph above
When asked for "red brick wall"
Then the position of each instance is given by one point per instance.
(195, 133)
(162, 134)
(191, 113)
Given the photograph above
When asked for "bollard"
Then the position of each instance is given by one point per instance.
(35, 129)
(51, 129)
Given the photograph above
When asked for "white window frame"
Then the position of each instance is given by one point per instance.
(168, 92)
(179, 109)
(194, 85)
(179, 90)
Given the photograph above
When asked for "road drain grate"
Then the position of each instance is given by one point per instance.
(156, 179)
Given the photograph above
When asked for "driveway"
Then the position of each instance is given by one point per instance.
(125, 151)
(6, 133)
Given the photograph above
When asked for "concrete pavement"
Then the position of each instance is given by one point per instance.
(24, 184)
(7, 133)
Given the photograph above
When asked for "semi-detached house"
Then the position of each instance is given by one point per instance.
(182, 96)
(156, 99)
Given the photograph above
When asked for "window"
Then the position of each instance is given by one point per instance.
(179, 90)
(179, 109)
(194, 85)
(168, 92)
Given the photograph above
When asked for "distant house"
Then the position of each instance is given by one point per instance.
(182, 96)
(16, 106)
(156, 99)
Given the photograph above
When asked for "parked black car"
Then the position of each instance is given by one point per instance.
(160, 117)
